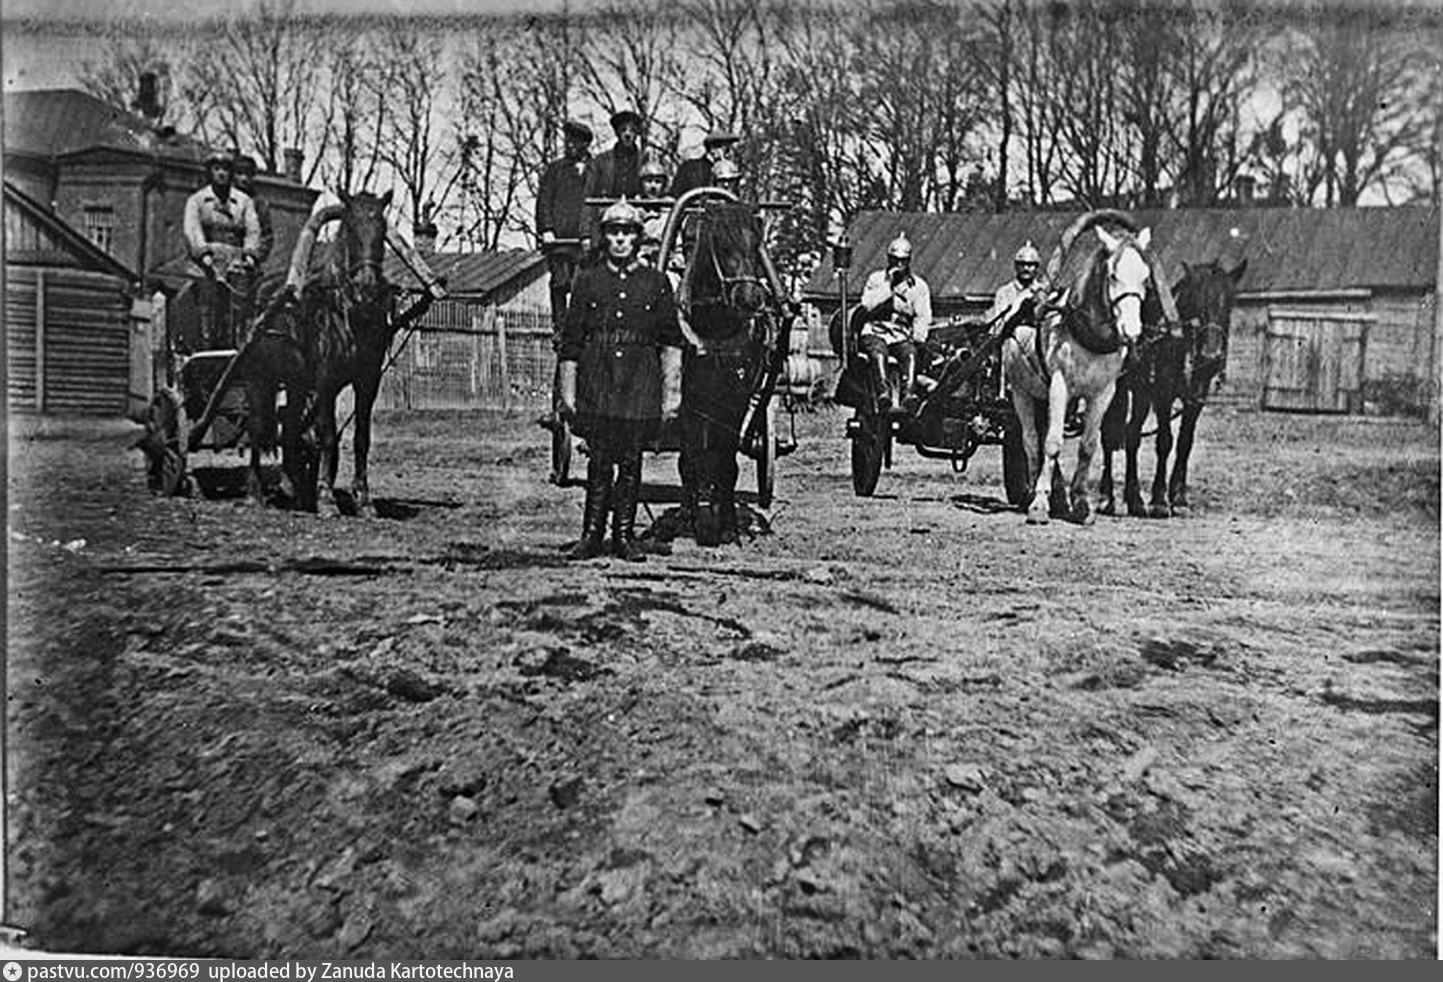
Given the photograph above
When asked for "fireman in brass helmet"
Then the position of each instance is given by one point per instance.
(897, 306)
(1019, 295)
(620, 376)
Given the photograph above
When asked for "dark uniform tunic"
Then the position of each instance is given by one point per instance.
(693, 173)
(560, 204)
(615, 327)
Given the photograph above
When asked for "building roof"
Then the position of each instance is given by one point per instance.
(470, 275)
(968, 255)
(56, 235)
(54, 122)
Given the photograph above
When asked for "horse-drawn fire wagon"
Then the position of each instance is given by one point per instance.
(965, 406)
(207, 380)
(741, 279)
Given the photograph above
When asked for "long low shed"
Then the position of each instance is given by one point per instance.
(1337, 311)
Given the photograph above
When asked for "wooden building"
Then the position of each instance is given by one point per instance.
(1336, 312)
(487, 345)
(70, 317)
(122, 179)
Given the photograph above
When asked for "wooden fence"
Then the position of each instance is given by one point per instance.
(469, 356)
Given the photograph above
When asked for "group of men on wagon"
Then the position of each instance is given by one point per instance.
(620, 337)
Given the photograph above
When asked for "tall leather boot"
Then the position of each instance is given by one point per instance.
(593, 516)
(879, 379)
(624, 499)
(908, 361)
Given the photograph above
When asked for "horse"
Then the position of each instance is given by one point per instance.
(346, 323)
(1077, 351)
(1177, 363)
(731, 305)
(273, 359)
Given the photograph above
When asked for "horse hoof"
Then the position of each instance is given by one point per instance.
(1181, 511)
(1107, 506)
(1039, 514)
(1159, 511)
(1137, 509)
(1083, 514)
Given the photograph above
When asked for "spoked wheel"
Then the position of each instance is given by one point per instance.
(767, 458)
(870, 448)
(1014, 466)
(164, 445)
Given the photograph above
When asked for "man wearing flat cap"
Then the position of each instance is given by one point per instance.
(697, 173)
(560, 209)
(616, 172)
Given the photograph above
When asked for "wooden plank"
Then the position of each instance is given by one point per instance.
(40, 341)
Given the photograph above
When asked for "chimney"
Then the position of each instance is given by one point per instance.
(1245, 187)
(147, 98)
(295, 158)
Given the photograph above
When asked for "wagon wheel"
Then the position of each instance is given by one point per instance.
(870, 447)
(1014, 466)
(767, 458)
(164, 444)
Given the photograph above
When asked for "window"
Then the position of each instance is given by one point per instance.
(100, 225)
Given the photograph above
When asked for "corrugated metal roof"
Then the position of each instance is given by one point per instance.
(51, 122)
(1288, 249)
(471, 274)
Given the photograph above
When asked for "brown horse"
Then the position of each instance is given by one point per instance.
(732, 305)
(346, 323)
(1174, 363)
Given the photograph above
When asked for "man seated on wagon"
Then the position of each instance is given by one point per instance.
(653, 212)
(223, 238)
(897, 314)
(1021, 294)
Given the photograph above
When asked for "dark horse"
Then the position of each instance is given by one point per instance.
(1173, 363)
(730, 302)
(274, 359)
(345, 323)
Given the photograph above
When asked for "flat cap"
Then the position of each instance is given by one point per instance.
(623, 116)
(720, 138)
(577, 130)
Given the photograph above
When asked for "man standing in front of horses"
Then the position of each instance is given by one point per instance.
(1020, 294)
(897, 305)
(620, 377)
(223, 236)
(616, 173)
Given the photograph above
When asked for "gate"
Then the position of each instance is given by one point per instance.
(1313, 360)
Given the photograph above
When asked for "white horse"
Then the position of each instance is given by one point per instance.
(1077, 352)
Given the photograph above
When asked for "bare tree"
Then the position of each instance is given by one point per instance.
(1216, 72)
(262, 83)
(357, 111)
(414, 145)
(1358, 79)
(631, 60)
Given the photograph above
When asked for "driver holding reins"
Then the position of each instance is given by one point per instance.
(223, 236)
(1021, 293)
(897, 304)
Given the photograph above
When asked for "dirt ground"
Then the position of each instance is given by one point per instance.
(909, 726)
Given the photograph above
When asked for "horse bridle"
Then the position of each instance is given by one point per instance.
(729, 284)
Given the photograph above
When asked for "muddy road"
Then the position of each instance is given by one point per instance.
(908, 726)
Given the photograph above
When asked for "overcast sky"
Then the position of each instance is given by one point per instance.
(191, 9)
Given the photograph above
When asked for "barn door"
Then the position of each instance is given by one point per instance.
(1313, 361)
